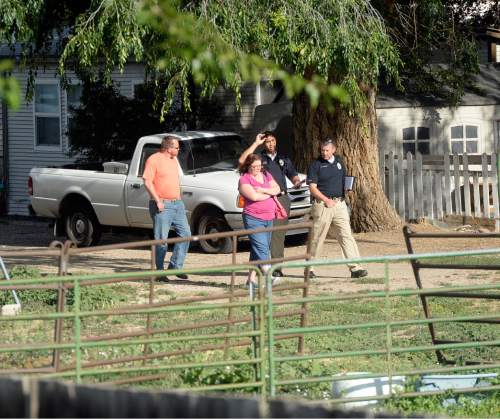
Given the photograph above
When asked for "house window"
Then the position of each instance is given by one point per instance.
(416, 139)
(47, 115)
(73, 100)
(464, 138)
(494, 50)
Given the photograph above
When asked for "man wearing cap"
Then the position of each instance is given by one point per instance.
(280, 167)
(326, 177)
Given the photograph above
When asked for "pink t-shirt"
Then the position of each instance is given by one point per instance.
(263, 210)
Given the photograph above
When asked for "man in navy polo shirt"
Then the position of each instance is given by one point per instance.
(326, 177)
(280, 167)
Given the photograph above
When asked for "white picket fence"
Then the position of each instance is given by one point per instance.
(434, 186)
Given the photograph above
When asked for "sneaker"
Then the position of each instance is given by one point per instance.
(162, 278)
(359, 274)
(276, 279)
(278, 273)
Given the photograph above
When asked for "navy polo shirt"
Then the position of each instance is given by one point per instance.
(280, 168)
(328, 176)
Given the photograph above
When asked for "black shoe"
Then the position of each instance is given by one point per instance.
(359, 274)
(278, 273)
(180, 276)
(312, 275)
(162, 278)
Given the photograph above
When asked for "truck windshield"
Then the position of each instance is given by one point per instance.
(210, 154)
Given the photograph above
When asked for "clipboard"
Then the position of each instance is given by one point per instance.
(349, 182)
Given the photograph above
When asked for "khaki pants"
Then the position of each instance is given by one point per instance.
(278, 237)
(338, 216)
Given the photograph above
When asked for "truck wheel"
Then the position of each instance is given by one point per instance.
(214, 223)
(82, 227)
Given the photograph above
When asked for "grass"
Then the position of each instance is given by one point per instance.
(352, 312)
(368, 280)
(466, 260)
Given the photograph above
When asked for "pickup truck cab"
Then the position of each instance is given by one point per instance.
(85, 201)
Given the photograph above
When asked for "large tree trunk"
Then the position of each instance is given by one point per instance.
(357, 143)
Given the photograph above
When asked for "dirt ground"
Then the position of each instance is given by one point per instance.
(16, 233)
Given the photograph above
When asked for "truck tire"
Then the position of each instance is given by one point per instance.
(214, 222)
(82, 227)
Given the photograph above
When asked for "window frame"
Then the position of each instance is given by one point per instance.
(47, 147)
(464, 139)
(416, 140)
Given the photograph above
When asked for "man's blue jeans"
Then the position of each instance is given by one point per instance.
(174, 215)
(260, 243)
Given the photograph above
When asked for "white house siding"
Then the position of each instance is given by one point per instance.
(239, 121)
(22, 153)
(391, 122)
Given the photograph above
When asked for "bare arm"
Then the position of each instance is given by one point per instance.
(274, 189)
(315, 192)
(296, 181)
(259, 140)
(250, 193)
(148, 183)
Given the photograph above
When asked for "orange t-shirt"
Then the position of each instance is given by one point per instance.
(164, 172)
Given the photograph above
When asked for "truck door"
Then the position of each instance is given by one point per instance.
(137, 197)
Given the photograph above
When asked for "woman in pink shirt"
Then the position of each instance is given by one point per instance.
(257, 188)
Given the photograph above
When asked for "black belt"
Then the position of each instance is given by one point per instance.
(335, 198)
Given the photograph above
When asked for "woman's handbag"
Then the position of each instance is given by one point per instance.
(280, 211)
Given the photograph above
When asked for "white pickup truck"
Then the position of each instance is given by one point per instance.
(85, 201)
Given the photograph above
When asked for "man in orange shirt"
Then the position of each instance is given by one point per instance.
(161, 179)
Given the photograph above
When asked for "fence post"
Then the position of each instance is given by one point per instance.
(428, 195)
(401, 190)
(305, 293)
(61, 297)
(486, 186)
(420, 186)
(456, 179)
(447, 185)
(150, 299)
(234, 249)
(477, 199)
(466, 185)
(78, 338)
(438, 187)
(410, 186)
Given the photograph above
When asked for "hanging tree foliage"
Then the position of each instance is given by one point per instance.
(330, 55)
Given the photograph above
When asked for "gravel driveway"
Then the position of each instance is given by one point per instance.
(20, 233)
